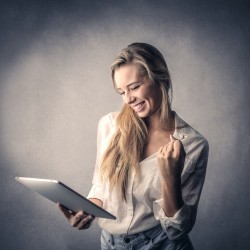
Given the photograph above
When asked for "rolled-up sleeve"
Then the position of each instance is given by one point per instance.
(183, 220)
(103, 134)
(96, 192)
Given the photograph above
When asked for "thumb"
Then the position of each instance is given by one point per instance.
(172, 138)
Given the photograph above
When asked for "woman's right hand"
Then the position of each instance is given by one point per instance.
(79, 220)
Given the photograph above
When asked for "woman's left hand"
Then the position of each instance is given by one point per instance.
(79, 220)
(171, 159)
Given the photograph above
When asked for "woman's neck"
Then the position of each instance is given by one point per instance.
(154, 123)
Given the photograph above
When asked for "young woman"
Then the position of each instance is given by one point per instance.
(150, 165)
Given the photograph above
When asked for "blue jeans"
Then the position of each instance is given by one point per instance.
(154, 238)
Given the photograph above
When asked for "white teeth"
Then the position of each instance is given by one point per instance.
(138, 106)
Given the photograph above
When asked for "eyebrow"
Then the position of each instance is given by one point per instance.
(129, 85)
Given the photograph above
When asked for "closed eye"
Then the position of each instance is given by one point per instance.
(136, 87)
(131, 87)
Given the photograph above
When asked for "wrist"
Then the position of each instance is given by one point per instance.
(172, 196)
(171, 181)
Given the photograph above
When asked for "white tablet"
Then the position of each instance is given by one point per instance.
(58, 192)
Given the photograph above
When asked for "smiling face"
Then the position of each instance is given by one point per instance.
(137, 90)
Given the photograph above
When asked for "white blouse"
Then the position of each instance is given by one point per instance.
(143, 209)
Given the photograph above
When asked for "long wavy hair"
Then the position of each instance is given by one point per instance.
(127, 145)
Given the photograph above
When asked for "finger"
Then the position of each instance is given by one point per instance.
(172, 138)
(169, 147)
(160, 150)
(177, 145)
(65, 208)
(67, 213)
(178, 148)
(86, 222)
(160, 154)
(77, 219)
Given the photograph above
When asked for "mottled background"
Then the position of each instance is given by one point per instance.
(55, 85)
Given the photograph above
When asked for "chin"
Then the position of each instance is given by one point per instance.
(143, 115)
(147, 114)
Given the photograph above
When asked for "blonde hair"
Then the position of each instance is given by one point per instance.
(127, 144)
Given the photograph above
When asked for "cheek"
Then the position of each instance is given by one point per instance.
(143, 94)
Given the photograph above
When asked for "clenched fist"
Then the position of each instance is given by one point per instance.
(171, 159)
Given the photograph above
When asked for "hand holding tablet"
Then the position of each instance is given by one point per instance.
(79, 220)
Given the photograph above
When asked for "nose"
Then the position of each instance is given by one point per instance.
(128, 98)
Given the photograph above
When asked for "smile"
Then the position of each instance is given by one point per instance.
(139, 106)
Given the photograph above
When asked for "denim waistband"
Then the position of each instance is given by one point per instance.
(133, 238)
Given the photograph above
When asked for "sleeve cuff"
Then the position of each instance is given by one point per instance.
(95, 192)
(178, 221)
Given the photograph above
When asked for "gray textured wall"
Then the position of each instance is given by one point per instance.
(55, 85)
